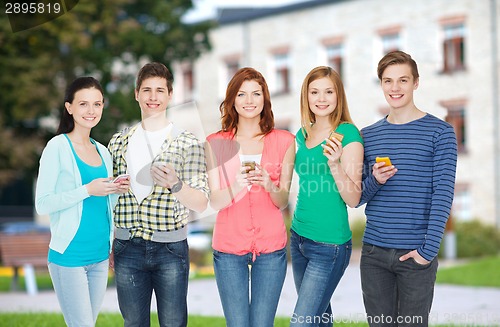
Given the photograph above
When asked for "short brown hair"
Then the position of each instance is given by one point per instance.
(229, 115)
(397, 58)
(154, 69)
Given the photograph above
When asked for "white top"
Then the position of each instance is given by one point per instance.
(143, 147)
(251, 157)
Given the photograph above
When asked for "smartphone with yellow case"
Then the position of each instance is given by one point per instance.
(384, 159)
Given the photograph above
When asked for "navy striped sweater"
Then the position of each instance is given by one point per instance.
(411, 209)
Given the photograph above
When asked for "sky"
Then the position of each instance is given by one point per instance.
(208, 8)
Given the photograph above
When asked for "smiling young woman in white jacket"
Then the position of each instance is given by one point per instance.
(74, 189)
(60, 191)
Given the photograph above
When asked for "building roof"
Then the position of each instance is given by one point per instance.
(227, 15)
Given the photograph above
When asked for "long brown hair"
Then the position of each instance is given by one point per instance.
(339, 115)
(229, 115)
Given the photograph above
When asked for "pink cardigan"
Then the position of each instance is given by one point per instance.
(251, 223)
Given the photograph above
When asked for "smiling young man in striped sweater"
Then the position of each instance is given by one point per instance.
(407, 202)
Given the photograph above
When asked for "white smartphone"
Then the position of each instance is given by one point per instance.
(120, 178)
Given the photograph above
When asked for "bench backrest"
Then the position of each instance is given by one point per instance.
(19, 249)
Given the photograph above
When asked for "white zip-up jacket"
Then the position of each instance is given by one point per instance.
(60, 193)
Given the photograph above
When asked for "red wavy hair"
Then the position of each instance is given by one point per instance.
(229, 115)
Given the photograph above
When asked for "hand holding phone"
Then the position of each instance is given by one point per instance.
(120, 178)
(333, 135)
(249, 164)
(384, 159)
(385, 172)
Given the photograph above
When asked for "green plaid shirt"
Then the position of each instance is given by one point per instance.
(160, 211)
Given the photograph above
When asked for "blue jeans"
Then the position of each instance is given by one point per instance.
(396, 293)
(80, 291)
(317, 270)
(250, 291)
(143, 266)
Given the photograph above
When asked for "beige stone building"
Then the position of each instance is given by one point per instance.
(455, 43)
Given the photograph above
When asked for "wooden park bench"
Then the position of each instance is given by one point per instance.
(26, 250)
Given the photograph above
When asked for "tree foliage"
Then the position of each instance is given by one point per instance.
(91, 39)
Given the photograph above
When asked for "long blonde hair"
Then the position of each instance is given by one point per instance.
(339, 115)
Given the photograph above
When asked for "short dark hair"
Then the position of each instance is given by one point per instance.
(397, 58)
(154, 69)
(66, 122)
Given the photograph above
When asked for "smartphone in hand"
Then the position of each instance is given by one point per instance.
(334, 135)
(249, 164)
(384, 159)
(120, 178)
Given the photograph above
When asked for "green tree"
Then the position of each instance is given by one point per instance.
(36, 64)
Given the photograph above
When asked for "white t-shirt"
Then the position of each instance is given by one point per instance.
(139, 157)
(251, 157)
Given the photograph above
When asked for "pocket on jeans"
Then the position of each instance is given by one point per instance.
(367, 248)
(216, 255)
(280, 253)
(179, 249)
(119, 246)
(419, 265)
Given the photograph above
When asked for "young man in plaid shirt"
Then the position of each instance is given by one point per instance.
(168, 179)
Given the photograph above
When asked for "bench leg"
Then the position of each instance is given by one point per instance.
(15, 279)
(30, 279)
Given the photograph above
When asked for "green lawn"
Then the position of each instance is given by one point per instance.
(114, 319)
(480, 272)
(42, 280)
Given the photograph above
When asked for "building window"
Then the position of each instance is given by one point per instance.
(334, 54)
(456, 117)
(188, 82)
(390, 42)
(462, 203)
(453, 48)
(390, 39)
(282, 73)
(231, 69)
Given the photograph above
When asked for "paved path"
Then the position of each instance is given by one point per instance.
(471, 306)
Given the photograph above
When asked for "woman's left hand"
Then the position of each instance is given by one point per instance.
(333, 151)
(261, 177)
(123, 186)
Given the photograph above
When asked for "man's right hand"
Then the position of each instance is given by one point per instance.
(382, 173)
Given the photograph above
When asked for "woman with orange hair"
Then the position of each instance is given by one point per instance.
(250, 167)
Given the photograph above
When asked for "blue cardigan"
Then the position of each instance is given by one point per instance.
(60, 193)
